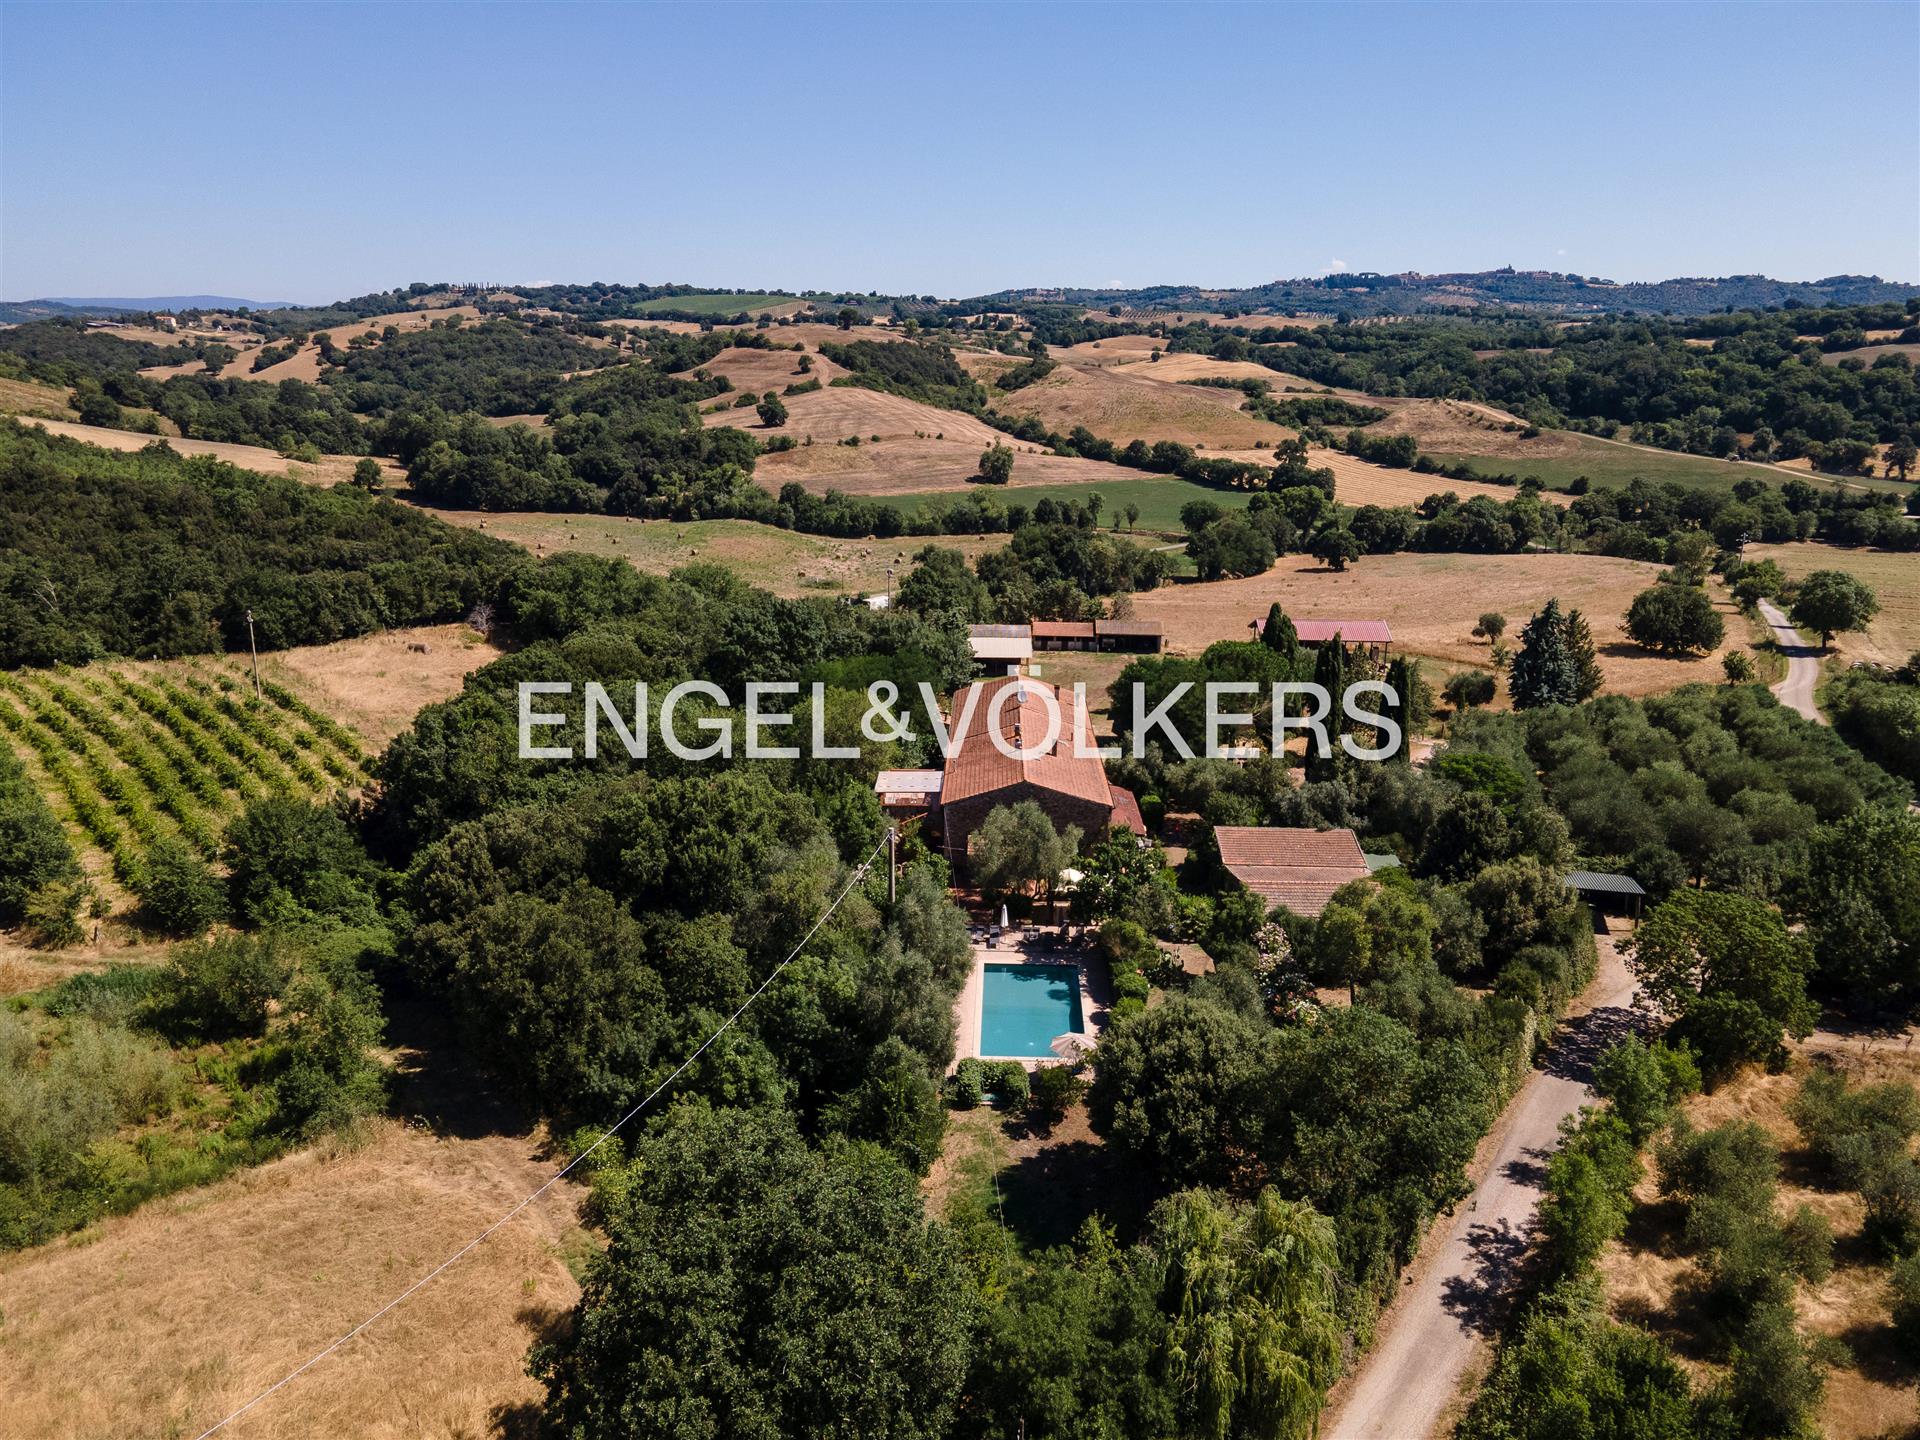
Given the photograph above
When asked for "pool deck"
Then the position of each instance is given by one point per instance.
(1035, 945)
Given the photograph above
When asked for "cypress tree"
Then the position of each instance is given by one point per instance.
(1279, 634)
(1329, 672)
(1402, 677)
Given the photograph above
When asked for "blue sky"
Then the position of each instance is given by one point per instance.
(312, 152)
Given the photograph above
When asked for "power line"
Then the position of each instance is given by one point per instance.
(858, 874)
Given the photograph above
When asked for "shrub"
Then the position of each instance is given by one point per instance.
(222, 988)
(1008, 1081)
(1469, 688)
(967, 1086)
(1643, 1082)
(1056, 1088)
(330, 1078)
(180, 891)
(53, 913)
(112, 996)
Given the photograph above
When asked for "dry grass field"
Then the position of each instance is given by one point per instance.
(1895, 579)
(1455, 427)
(911, 466)
(160, 1322)
(839, 412)
(1117, 350)
(1172, 369)
(1361, 482)
(1122, 406)
(1432, 602)
(30, 397)
(1867, 354)
(376, 684)
(762, 370)
(329, 470)
(783, 561)
(1876, 1393)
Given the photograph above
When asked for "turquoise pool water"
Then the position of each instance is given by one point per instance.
(1023, 1008)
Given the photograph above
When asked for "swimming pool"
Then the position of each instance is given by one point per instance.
(1024, 1008)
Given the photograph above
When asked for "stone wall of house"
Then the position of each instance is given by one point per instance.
(963, 817)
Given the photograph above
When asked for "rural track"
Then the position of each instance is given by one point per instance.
(1803, 665)
(1457, 1288)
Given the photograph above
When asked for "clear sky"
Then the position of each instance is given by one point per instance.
(310, 152)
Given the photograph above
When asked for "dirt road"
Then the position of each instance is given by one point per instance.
(1458, 1284)
(1803, 665)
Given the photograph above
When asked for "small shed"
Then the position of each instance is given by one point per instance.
(1063, 635)
(1601, 890)
(1006, 645)
(1142, 637)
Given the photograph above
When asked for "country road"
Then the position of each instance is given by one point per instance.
(1803, 665)
(1429, 1337)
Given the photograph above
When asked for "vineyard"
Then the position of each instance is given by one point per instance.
(133, 757)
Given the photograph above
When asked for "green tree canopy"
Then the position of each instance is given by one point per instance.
(755, 1287)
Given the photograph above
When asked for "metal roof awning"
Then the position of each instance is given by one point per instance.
(1602, 884)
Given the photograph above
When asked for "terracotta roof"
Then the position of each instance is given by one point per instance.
(1126, 810)
(1299, 869)
(1351, 632)
(1063, 629)
(977, 766)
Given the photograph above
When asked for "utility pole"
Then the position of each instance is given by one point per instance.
(893, 866)
(251, 650)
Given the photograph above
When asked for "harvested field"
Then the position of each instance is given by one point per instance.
(1361, 482)
(1432, 602)
(376, 684)
(918, 466)
(1115, 351)
(30, 397)
(1450, 425)
(1123, 406)
(762, 370)
(1871, 1392)
(1867, 354)
(786, 562)
(163, 1321)
(812, 333)
(838, 412)
(1894, 633)
(1172, 369)
(329, 470)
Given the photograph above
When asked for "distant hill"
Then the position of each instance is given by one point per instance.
(15, 312)
(1412, 293)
